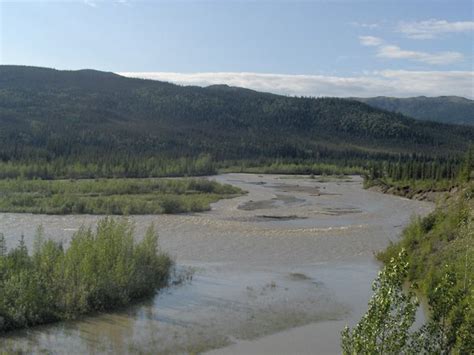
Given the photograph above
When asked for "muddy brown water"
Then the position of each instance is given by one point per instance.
(279, 270)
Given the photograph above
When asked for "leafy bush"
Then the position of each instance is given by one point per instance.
(440, 254)
(387, 326)
(384, 329)
(101, 270)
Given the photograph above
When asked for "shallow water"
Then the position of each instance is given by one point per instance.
(292, 253)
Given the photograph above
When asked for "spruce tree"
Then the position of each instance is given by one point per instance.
(3, 245)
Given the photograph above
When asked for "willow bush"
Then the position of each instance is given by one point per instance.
(102, 269)
(436, 255)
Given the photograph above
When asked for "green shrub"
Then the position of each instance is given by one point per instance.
(101, 270)
(440, 254)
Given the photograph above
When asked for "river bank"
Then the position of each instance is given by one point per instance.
(430, 193)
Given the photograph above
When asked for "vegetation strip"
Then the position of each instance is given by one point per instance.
(112, 196)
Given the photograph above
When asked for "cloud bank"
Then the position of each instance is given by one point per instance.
(433, 28)
(400, 83)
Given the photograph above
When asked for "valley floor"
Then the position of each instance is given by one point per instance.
(294, 251)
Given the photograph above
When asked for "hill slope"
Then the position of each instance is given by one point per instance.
(86, 114)
(447, 109)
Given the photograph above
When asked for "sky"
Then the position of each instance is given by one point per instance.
(304, 48)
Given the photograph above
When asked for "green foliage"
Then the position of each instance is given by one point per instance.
(440, 256)
(449, 328)
(112, 196)
(387, 326)
(101, 270)
(384, 329)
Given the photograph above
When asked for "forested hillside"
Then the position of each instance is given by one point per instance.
(447, 109)
(91, 117)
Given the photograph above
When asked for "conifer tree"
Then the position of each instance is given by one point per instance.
(3, 245)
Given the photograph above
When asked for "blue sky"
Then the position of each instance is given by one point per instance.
(336, 48)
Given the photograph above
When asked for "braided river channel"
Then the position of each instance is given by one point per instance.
(279, 270)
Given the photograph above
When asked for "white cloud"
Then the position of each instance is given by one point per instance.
(395, 52)
(370, 41)
(95, 3)
(433, 28)
(433, 83)
(370, 26)
(91, 3)
(400, 83)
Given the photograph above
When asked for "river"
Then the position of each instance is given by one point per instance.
(279, 270)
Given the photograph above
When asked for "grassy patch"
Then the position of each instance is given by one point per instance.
(111, 196)
(437, 240)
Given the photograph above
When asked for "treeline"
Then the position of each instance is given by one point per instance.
(114, 167)
(101, 270)
(129, 166)
(374, 165)
(112, 196)
(417, 169)
(288, 167)
(421, 172)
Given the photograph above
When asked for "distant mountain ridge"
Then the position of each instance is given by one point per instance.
(447, 109)
(90, 115)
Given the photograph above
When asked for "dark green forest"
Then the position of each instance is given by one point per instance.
(447, 109)
(95, 124)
